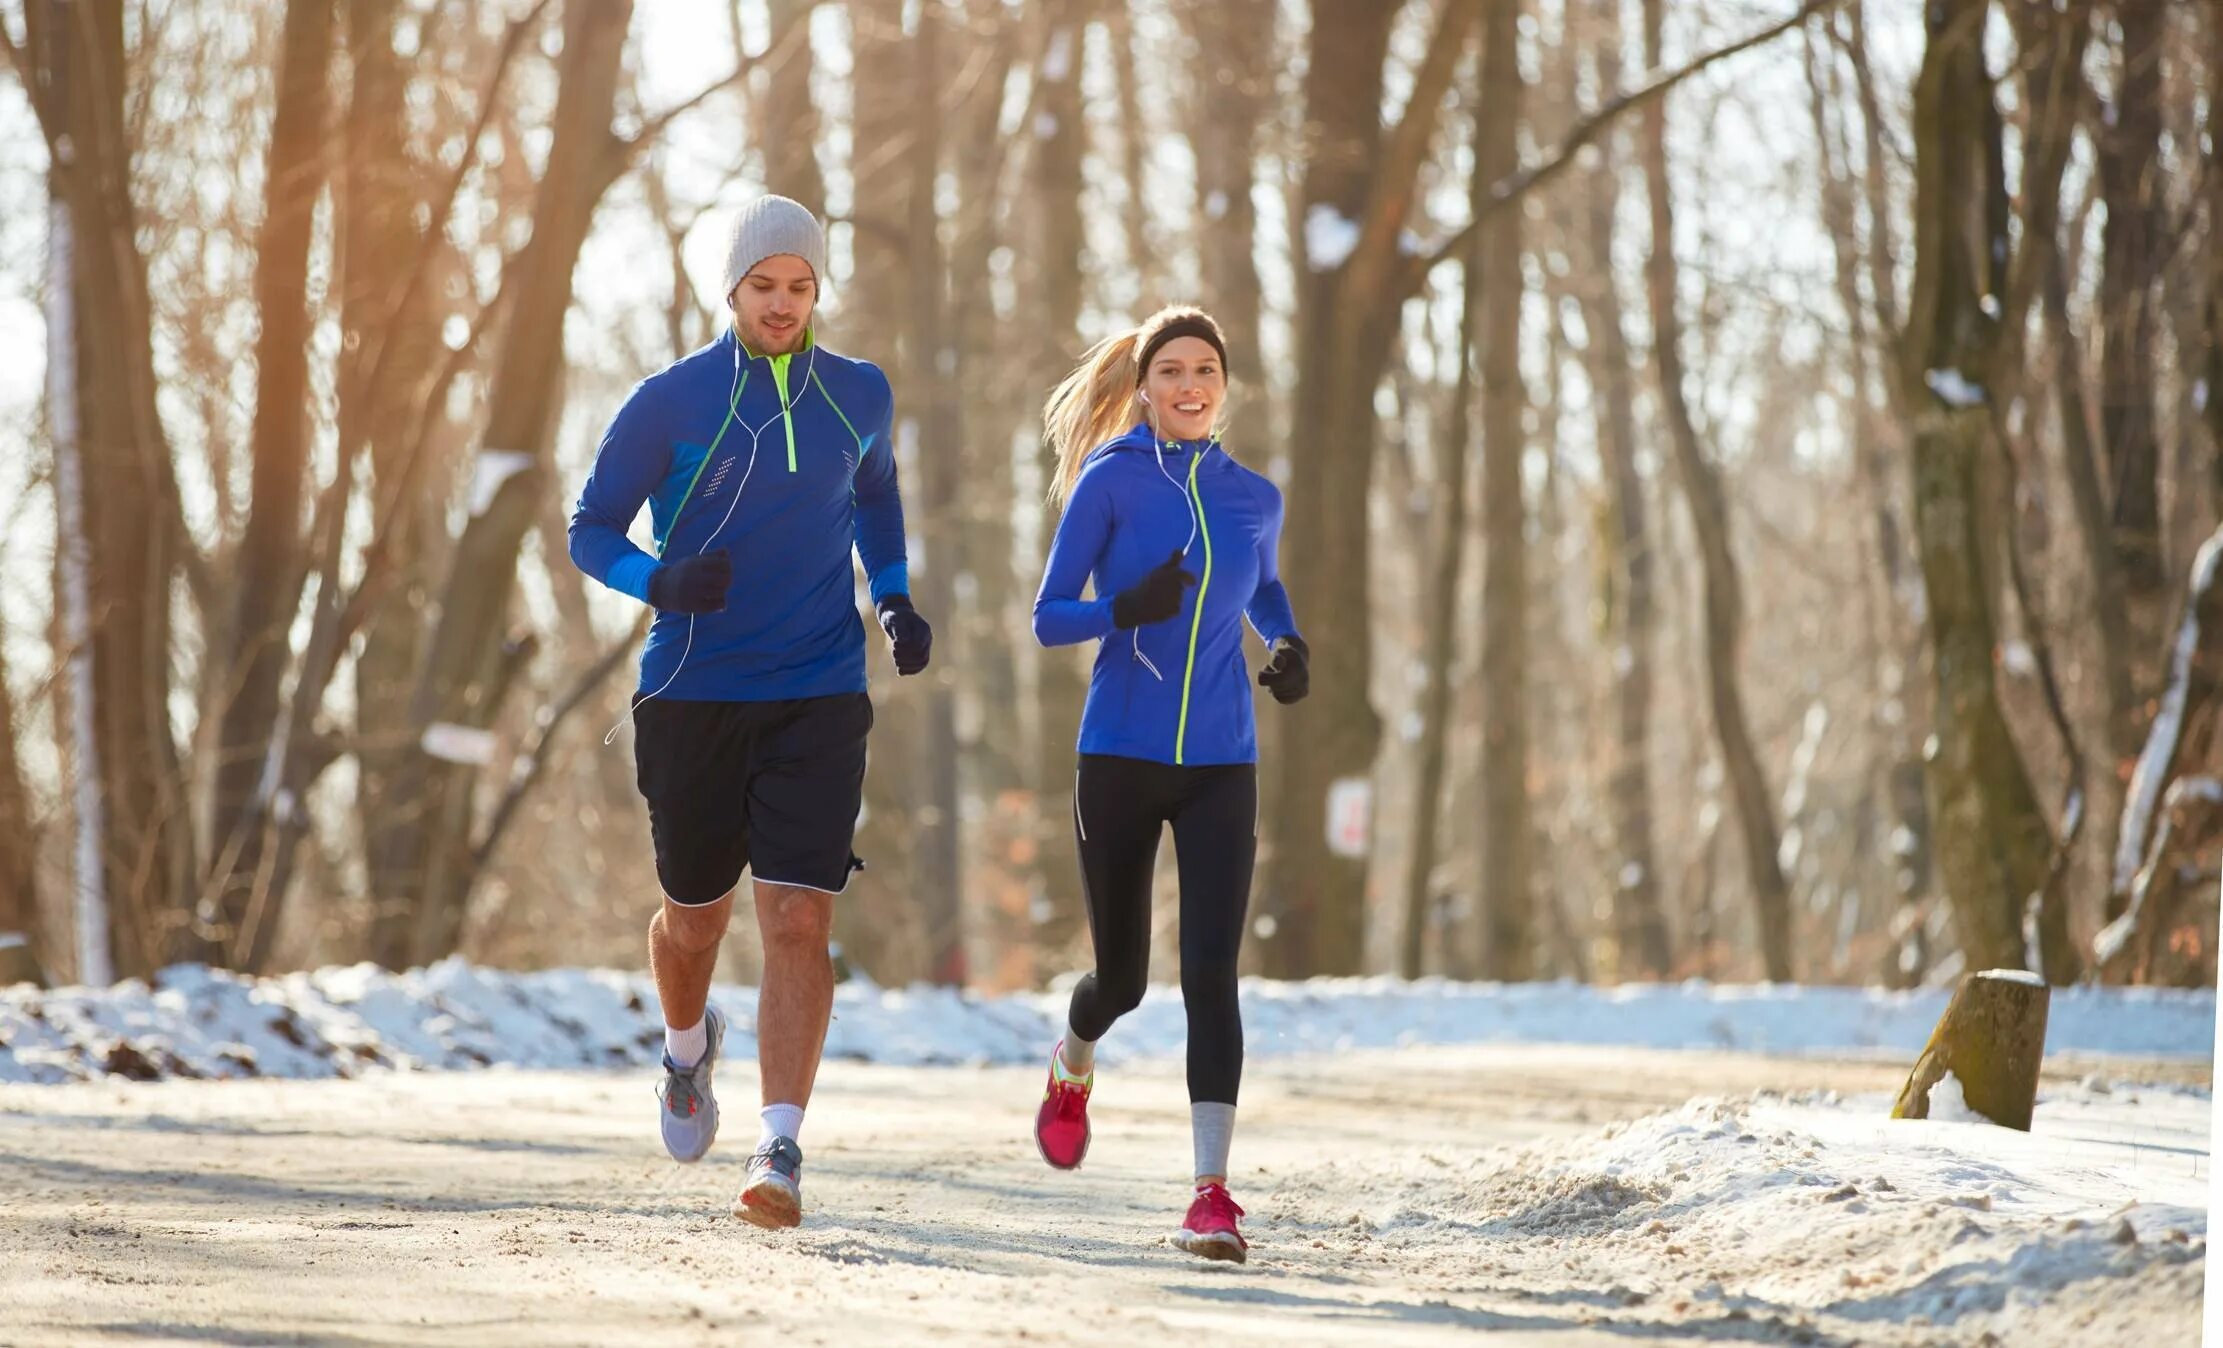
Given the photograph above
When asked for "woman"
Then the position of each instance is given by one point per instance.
(1179, 541)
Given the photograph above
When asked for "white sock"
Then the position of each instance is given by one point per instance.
(779, 1121)
(1212, 1126)
(1078, 1057)
(686, 1047)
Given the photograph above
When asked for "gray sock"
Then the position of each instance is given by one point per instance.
(1213, 1127)
(1079, 1054)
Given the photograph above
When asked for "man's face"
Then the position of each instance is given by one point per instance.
(772, 305)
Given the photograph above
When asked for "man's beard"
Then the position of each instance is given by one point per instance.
(767, 344)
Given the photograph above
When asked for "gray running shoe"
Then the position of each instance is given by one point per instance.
(773, 1196)
(690, 1111)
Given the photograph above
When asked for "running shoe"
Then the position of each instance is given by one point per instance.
(773, 1197)
(689, 1111)
(1209, 1231)
(1061, 1124)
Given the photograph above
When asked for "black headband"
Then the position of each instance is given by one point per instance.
(1199, 328)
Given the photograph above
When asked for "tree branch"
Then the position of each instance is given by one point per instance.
(1390, 202)
(421, 265)
(1512, 188)
(535, 760)
(622, 149)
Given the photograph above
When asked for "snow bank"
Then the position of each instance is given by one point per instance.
(198, 1022)
(1832, 1222)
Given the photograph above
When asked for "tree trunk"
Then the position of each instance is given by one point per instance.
(380, 190)
(1706, 497)
(1507, 950)
(938, 876)
(1233, 78)
(1055, 259)
(1446, 563)
(791, 149)
(19, 890)
(1314, 898)
(270, 549)
(131, 539)
(2128, 145)
(1994, 846)
(880, 931)
(1640, 928)
(457, 679)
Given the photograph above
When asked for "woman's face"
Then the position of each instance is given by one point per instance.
(1185, 386)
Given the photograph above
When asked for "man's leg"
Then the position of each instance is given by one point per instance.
(682, 957)
(796, 999)
(691, 756)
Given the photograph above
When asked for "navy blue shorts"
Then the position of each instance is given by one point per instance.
(770, 787)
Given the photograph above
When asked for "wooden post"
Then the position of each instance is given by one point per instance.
(1991, 1038)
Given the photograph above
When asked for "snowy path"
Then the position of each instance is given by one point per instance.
(1401, 1197)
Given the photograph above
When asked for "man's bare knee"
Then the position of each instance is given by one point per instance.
(696, 927)
(794, 918)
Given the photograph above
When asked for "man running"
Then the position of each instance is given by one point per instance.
(763, 458)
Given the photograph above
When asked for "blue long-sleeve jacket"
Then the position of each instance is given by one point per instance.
(822, 481)
(1177, 691)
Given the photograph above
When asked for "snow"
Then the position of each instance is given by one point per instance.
(343, 1021)
(1949, 1103)
(1215, 205)
(1329, 237)
(1057, 61)
(2147, 780)
(1898, 1222)
(1955, 389)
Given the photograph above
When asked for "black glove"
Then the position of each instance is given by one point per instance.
(1154, 598)
(692, 584)
(910, 635)
(1288, 676)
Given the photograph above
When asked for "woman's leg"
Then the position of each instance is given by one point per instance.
(1215, 839)
(1117, 819)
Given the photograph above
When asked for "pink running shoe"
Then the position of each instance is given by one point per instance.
(1209, 1231)
(1061, 1124)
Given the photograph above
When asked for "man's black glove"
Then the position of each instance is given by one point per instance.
(1288, 676)
(692, 584)
(1154, 598)
(908, 633)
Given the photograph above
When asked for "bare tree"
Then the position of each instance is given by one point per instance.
(470, 656)
(271, 549)
(2128, 148)
(1706, 498)
(1994, 845)
(1356, 201)
(1640, 926)
(130, 527)
(1507, 949)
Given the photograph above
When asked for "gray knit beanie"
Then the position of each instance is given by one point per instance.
(769, 226)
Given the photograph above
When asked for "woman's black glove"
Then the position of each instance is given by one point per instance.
(908, 633)
(692, 584)
(1288, 676)
(1154, 598)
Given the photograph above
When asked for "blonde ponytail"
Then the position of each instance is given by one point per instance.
(1090, 406)
(1096, 402)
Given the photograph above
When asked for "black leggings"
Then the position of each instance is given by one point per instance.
(1120, 806)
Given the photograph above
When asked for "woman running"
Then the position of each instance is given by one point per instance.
(1180, 543)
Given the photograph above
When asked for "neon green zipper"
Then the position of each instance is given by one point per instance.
(787, 410)
(1196, 620)
(733, 409)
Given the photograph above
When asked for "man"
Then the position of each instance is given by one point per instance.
(762, 458)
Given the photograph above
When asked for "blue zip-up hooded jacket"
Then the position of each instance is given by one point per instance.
(823, 480)
(1178, 691)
